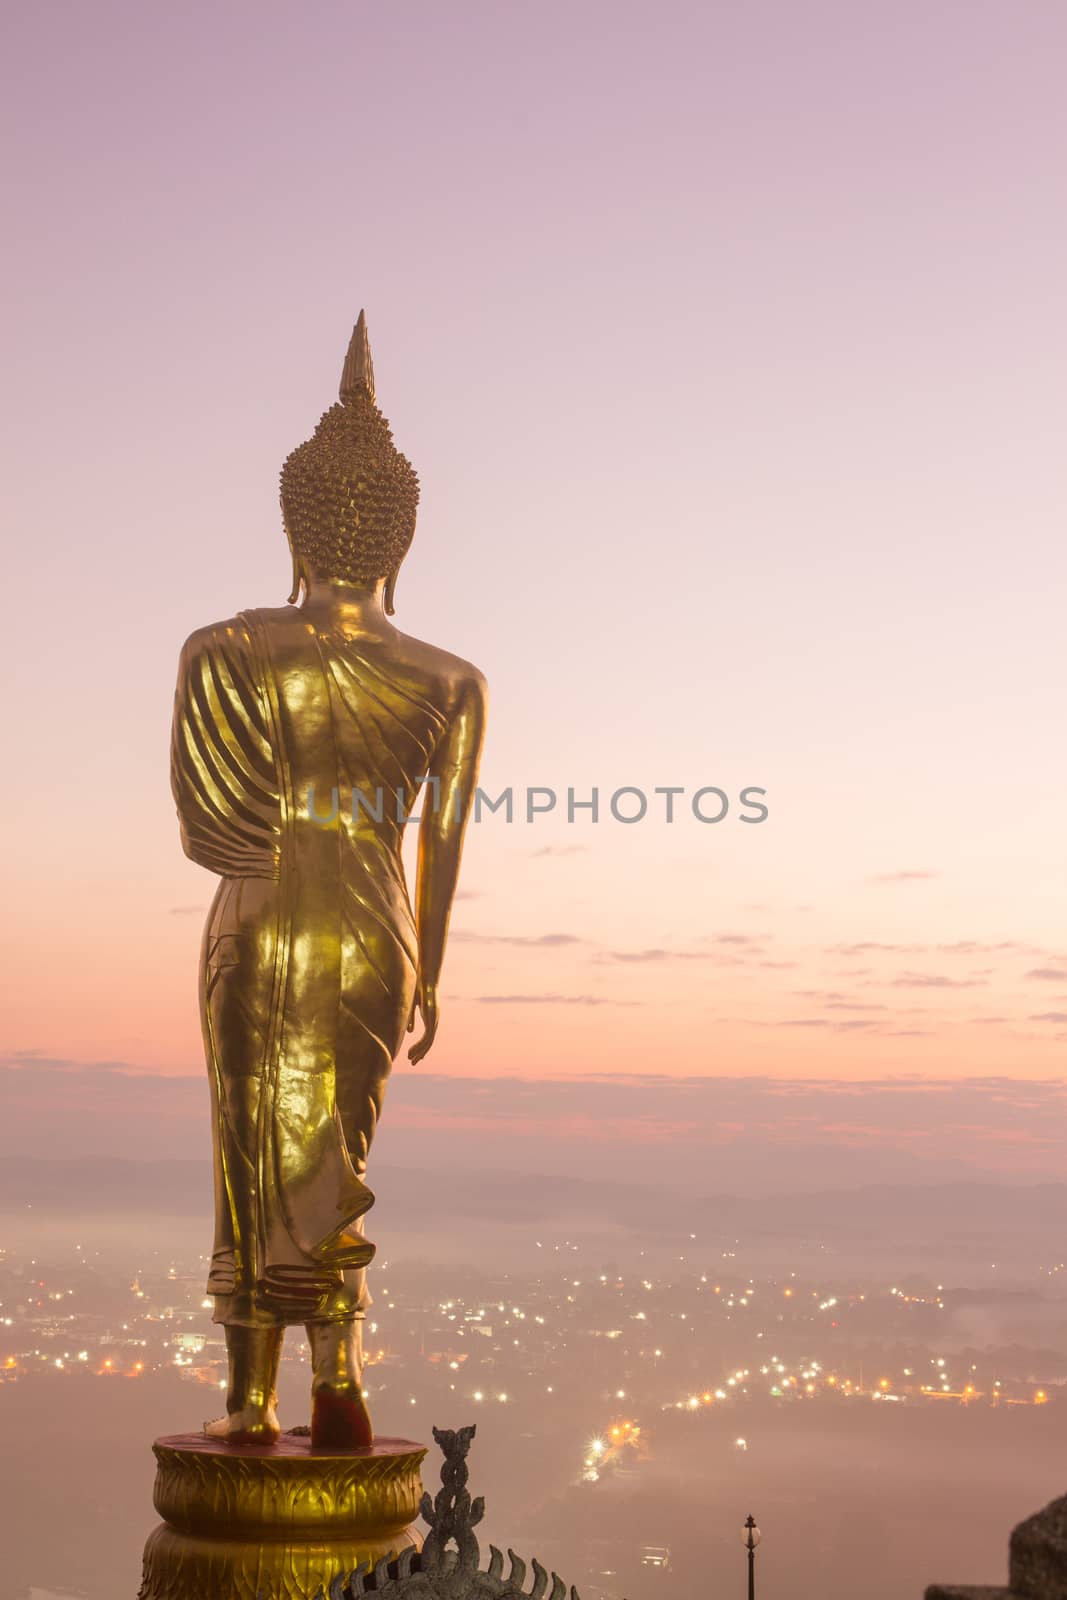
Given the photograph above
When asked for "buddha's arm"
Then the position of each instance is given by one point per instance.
(222, 768)
(444, 822)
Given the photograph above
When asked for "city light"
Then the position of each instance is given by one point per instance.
(517, 1358)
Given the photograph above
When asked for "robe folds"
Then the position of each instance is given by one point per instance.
(309, 958)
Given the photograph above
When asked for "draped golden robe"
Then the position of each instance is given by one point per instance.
(310, 954)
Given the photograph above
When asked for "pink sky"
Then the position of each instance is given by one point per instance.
(729, 343)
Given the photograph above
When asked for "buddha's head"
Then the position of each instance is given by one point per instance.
(348, 496)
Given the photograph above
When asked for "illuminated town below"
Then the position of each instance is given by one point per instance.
(593, 1382)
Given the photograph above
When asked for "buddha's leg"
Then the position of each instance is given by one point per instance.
(377, 984)
(339, 1416)
(252, 1390)
(237, 981)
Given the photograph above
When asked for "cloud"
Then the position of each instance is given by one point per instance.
(868, 946)
(706, 1133)
(837, 1024)
(38, 1065)
(1049, 1016)
(971, 947)
(57, 1107)
(761, 1133)
(655, 954)
(935, 980)
(908, 876)
(550, 1000)
(1049, 974)
(957, 947)
(545, 941)
(187, 911)
(834, 1000)
(556, 850)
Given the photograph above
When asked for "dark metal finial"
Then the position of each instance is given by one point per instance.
(452, 1514)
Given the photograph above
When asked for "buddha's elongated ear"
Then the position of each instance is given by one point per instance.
(300, 579)
(389, 596)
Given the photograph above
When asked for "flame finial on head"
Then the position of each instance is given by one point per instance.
(358, 375)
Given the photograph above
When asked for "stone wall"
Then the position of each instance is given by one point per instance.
(1037, 1562)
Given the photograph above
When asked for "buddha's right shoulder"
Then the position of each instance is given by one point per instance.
(233, 634)
(240, 639)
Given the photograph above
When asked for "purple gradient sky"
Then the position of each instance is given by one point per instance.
(730, 345)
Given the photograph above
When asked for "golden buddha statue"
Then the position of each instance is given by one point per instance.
(301, 737)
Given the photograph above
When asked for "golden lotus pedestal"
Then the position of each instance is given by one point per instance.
(275, 1521)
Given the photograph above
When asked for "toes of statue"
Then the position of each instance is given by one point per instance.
(243, 1428)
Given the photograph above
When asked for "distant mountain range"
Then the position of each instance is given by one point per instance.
(418, 1198)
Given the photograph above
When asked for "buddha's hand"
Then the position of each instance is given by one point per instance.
(425, 1002)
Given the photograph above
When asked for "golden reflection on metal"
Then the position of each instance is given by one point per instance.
(277, 1521)
(301, 737)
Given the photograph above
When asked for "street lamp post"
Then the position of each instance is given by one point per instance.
(751, 1537)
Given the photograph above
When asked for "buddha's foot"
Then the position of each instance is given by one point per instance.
(339, 1418)
(250, 1426)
